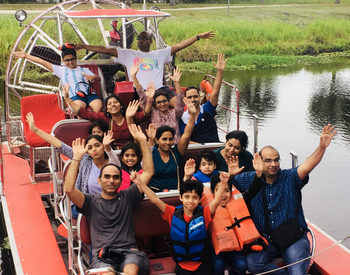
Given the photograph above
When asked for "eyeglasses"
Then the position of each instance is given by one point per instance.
(69, 60)
(162, 101)
(277, 160)
(143, 38)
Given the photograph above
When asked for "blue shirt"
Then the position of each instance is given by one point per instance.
(281, 196)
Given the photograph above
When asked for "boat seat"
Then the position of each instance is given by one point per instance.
(47, 113)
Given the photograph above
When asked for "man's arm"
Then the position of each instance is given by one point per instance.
(75, 195)
(23, 54)
(188, 42)
(97, 49)
(311, 162)
(224, 177)
(220, 67)
(135, 177)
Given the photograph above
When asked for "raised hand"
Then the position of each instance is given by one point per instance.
(220, 66)
(137, 133)
(190, 168)
(20, 54)
(151, 131)
(233, 166)
(258, 164)
(30, 120)
(132, 108)
(207, 35)
(150, 91)
(134, 69)
(135, 177)
(176, 75)
(108, 138)
(190, 107)
(327, 135)
(224, 177)
(79, 148)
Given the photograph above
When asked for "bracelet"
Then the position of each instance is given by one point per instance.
(150, 101)
(76, 160)
(36, 130)
(197, 37)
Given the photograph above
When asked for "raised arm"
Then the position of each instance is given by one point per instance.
(188, 42)
(185, 138)
(233, 166)
(151, 133)
(135, 177)
(97, 49)
(148, 167)
(189, 169)
(45, 136)
(150, 91)
(257, 182)
(131, 111)
(23, 54)
(224, 177)
(133, 72)
(220, 67)
(74, 194)
(327, 135)
(176, 79)
(112, 156)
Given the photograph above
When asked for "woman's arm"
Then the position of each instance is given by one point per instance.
(185, 138)
(23, 54)
(131, 111)
(112, 156)
(45, 136)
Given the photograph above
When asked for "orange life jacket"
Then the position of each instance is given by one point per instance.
(234, 215)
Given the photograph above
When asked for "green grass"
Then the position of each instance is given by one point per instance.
(251, 36)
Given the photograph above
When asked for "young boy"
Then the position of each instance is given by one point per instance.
(207, 162)
(188, 224)
(77, 77)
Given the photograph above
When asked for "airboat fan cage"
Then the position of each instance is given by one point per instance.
(100, 22)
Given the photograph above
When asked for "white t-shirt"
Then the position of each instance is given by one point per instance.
(73, 77)
(151, 64)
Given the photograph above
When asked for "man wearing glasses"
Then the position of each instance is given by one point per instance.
(151, 63)
(282, 201)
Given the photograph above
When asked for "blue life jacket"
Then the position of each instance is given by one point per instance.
(188, 239)
(204, 178)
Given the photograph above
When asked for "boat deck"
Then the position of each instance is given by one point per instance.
(33, 243)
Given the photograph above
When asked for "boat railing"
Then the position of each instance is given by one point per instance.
(235, 108)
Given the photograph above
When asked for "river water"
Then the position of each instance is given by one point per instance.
(293, 105)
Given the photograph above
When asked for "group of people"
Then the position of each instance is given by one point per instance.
(105, 187)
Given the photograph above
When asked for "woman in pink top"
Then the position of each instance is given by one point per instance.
(160, 113)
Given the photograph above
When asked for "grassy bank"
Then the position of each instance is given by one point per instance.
(252, 36)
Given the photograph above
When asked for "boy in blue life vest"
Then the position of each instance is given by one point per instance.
(206, 164)
(188, 224)
(77, 77)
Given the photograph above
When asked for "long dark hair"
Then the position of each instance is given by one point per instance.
(122, 109)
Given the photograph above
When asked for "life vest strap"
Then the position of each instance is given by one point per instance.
(237, 222)
(188, 256)
(186, 244)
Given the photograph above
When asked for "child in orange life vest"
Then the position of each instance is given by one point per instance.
(188, 222)
(236, 258)
(206, 162)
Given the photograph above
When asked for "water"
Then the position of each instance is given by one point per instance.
(294, 104)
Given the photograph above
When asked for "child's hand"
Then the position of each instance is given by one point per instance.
(66, 91)
(108, 138)
(190, 107)
(137, 133)
(190, 167)
(258, 164)
(233, 166)
(20, 54)
(79, 148)
(132, 108)
(220, 66)
(150, 91)
(176, 75)
(89, 77)
(135, 177)
(30, 120)
(224, 177)
(134, 69)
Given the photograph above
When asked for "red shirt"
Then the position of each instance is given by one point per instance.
(168, 216)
